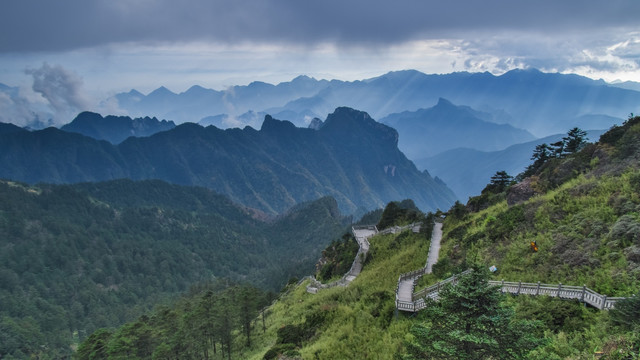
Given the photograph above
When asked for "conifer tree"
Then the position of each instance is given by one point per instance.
(499, 182)
(575, 140)
(469, 322)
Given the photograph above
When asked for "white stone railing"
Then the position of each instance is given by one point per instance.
(580, 293)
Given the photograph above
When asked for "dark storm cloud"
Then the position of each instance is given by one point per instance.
(44, 25)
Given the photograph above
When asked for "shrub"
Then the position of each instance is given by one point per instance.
(291, 334)
(626, 229)
(279, 349)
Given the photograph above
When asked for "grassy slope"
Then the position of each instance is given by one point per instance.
(359, 318)
(573, 227)
(585, 228)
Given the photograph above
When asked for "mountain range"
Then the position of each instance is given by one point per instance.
(541, 103)
(351, 157)
(467, 171)
(427, 132)
(115, 129)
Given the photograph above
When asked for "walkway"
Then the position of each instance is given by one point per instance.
(362, 235)
(434, 248)
(407, 282)
(408, 300)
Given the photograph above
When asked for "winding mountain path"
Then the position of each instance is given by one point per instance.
(434, 248)
(407, 282)
(362, 235)
(408, 300)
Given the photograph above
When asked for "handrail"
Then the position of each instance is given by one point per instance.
(414, 275)
(581, 293)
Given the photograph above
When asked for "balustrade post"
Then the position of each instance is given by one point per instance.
(502, 286)
(559, 289)
(538, 288)
(519, 286)
(584, 292)
(604, 302)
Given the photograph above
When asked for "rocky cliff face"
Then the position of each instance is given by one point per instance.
(351, 157)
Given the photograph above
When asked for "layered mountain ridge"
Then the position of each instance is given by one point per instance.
(351, 157)
(445, 126)
(541, 103)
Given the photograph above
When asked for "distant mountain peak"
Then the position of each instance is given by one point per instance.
(445, 102)
(271, 125)
(345, 114)
(115, 129)
(301, 78)
(134, 92)
(399, 75)
(344, 122)
(161, 91)
(524, 71)
(316, 124)
(196, 89)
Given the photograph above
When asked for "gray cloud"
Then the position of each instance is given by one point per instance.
(16, 108)
(60, 87)
(42, 25)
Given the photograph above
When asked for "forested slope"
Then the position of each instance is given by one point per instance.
(74, 258)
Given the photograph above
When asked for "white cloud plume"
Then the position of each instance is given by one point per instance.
(61, 88)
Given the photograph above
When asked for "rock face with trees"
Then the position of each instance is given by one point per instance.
(351, 157)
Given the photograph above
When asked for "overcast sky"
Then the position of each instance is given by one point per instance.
(73, 52)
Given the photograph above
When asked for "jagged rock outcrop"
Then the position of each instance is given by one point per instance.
(521, 192)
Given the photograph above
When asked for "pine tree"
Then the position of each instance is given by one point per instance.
(499, 182)
(469, 322)
(541, 154)
(575, 140)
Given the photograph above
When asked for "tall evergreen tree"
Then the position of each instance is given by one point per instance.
(499, 182)
(469, 322)
(557, 148)
(575, 140)
(541, 153)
